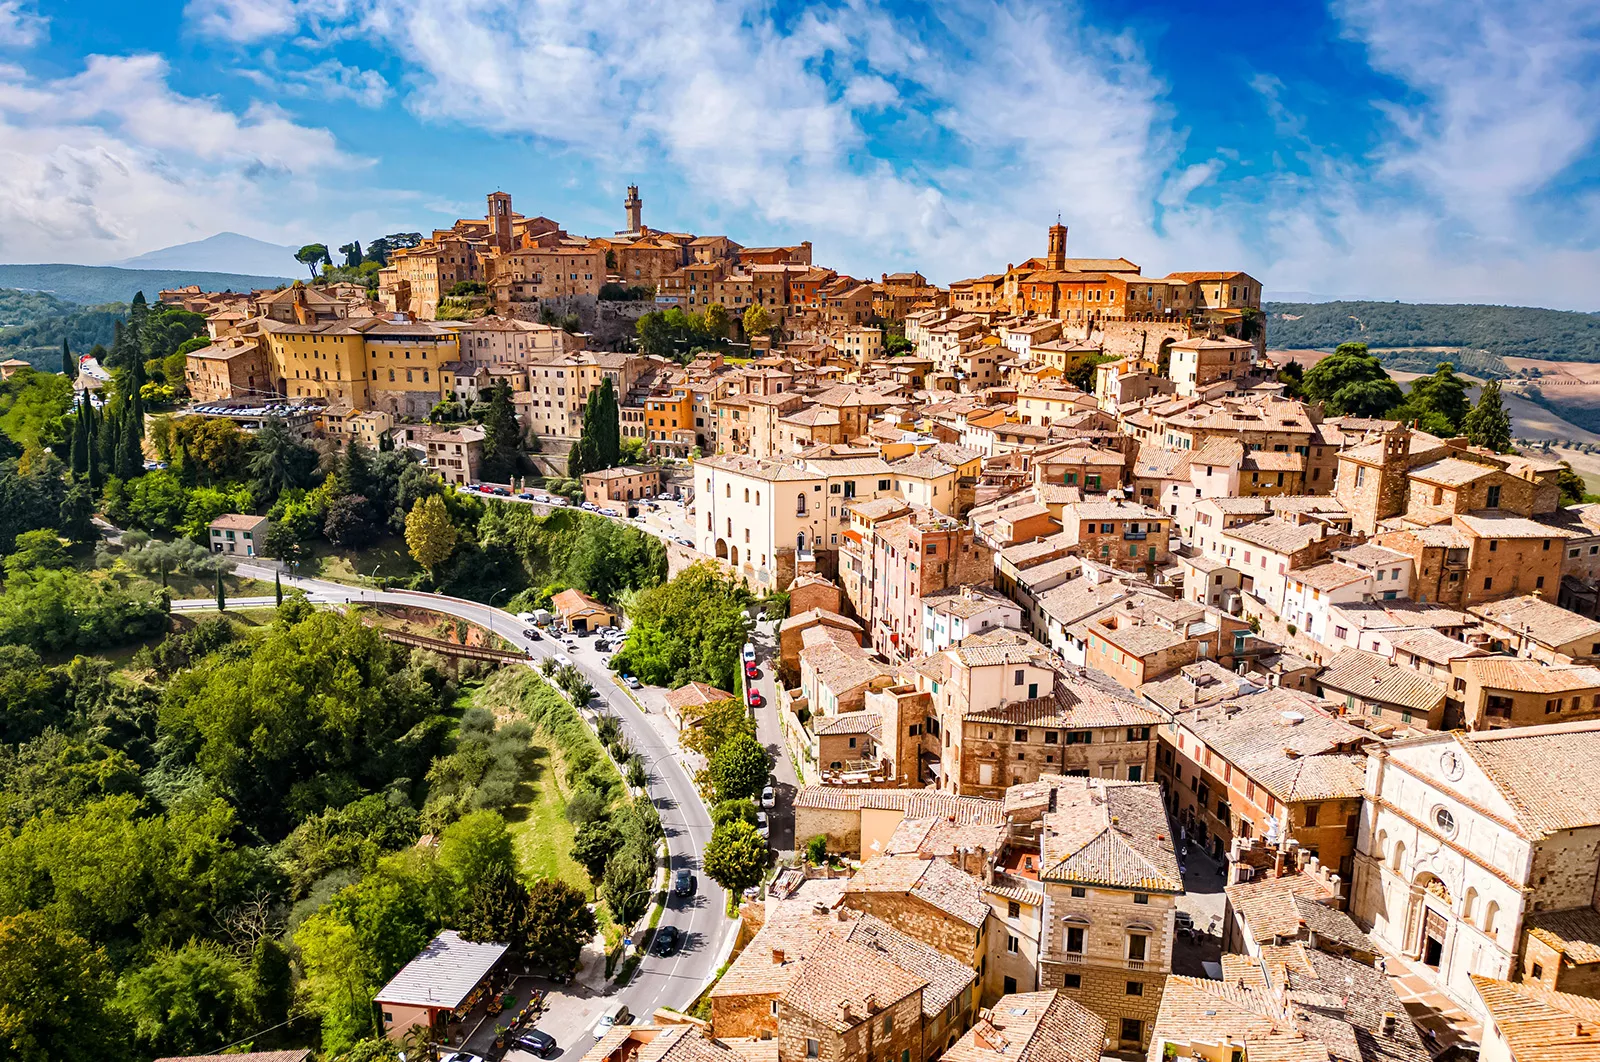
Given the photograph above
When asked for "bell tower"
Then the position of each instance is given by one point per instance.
(634, 207)
(1058, 245)
(500, 221)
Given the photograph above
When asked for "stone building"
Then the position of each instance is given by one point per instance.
(927, 899)
(623, 485)
(1005, 711)
(1108, 866)
(1504, 691)
(1527, 1023)
(849, 1003)
(1275, 765)
(1033, 1027)
(1293, 1003)
(860, 822)
(1469, 841)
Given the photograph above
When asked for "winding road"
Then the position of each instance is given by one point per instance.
(673, 981)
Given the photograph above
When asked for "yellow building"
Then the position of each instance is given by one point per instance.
(402, 368)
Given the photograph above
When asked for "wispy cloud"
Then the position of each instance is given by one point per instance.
(21, 27)
(329, 81)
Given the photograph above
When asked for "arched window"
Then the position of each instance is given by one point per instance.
(1399, 859)
(1490, 913)
(1383, 845)
(747, 494)
(1469, 904)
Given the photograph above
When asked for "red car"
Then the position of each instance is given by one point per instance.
(752, 672)
(756, 700)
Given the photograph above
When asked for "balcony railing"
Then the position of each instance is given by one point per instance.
(1072, 958)
(1136, 964)
(1134, 536)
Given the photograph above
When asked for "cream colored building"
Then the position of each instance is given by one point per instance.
(501, 341)
(1465, 835)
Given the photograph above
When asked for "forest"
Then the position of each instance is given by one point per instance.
(1501, 331)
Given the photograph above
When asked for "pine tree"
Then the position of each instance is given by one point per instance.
(69, 364)
(138, 314)
(1489, 425)
(355, 470)
(222, 597)
(502, 437)
(82, 443)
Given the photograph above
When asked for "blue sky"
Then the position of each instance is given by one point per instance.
(1405, 149)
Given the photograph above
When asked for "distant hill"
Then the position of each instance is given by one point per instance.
(95, 285)
(1499, 331)
(226, 252)
(35, 324)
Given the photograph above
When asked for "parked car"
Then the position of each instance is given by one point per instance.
(667, 940)
(501, 492)
(631, 682)
(463, 1056)
(525, 496)
(685, 542)
(590, 506)
(683, 882)
(663, 497)
(609, 512)
(769, 797)
(756, 700)
(749, 653)
(562, 661)
(763, 824)
(536, 1042)
(752, 672)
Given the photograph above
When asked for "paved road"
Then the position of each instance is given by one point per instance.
(672, 981)
(770, 733)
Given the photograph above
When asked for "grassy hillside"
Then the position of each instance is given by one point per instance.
(1500, 331)
(95, 285)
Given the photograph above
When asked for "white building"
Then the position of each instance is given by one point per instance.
(951, 615)
(1463, 836)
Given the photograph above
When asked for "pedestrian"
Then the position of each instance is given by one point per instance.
(1383, 965)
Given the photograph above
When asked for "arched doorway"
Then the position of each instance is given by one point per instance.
(800, 542)
(733, 556)
(1435, 907)
(722, 549)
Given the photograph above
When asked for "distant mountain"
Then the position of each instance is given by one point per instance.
(226, 252)
(94, 285)
(1500, 331)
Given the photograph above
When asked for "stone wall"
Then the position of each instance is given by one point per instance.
(921, 921)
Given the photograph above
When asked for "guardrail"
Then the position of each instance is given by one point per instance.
(439, 645)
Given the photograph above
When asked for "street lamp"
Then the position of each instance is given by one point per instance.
(492, 596)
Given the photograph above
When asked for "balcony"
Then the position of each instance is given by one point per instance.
(1134, 536)
(1071, 958)
(1136, 964)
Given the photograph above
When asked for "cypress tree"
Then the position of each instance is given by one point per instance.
(108, 433)
(82, 443)
(277, 587)
(69, 364)
(222, 597)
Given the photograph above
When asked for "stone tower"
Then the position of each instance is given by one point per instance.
(500, 221)
(635, 208)
(1058, 245)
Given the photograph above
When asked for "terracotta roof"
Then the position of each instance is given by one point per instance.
(1285, 741)
(1545, 772)
(1452, 472)
(839, 975)
(695, 694)
(1106, 833)
(237, 522)
(939, 838)
(915, 803)
(1428, 644)
(946, 977)
(932, 881)
(1574, 932)
(1376, 678)
(299, 1054)
(1520, 675)
(1033, 1027)
(849, 723)
(1539, 1025)
(571, 602)
(1546, 623)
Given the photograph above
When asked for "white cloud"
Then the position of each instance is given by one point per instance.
(112, 161)
(329, 81)
(20, 27)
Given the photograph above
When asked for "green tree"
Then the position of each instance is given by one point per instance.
(559, 924)
(1573, 486)
(757, 321)
(720, 721)
(77, 514)
(37, 549)
(352, 254)
(736, 856)
(69, 364)
(739, 768)
(55, 995)
(717, 321)
(495, 910)
(727, 810)
(1352, 382)
(626, 888)
(592, 847)
(1489, 425)
(1438, 401)
(311, 256)
(600, 444)
(476, 847)
(82, 438)
(502, 437)
(430, 535)
(186, 1000)
(278, 462)
(688, 629)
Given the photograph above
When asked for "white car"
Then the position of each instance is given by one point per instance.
(763, 824)
(463, 1056)
(749, 653)
(562, 661)
(631, 682)
(769, 797)
(608, 512)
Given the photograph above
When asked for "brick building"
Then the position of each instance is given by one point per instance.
(624, 484)
(927, 899)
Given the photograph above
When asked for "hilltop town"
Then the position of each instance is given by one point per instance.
(1119, 691)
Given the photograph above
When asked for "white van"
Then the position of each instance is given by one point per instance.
(562, 661)
(749, 653)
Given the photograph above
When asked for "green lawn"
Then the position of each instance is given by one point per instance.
(388, 559)
(539, 827)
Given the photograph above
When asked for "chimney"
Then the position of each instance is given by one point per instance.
(844, 1010)
(1052, 804)
(1390, 1024)
(777, 956)
(871, 1001)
